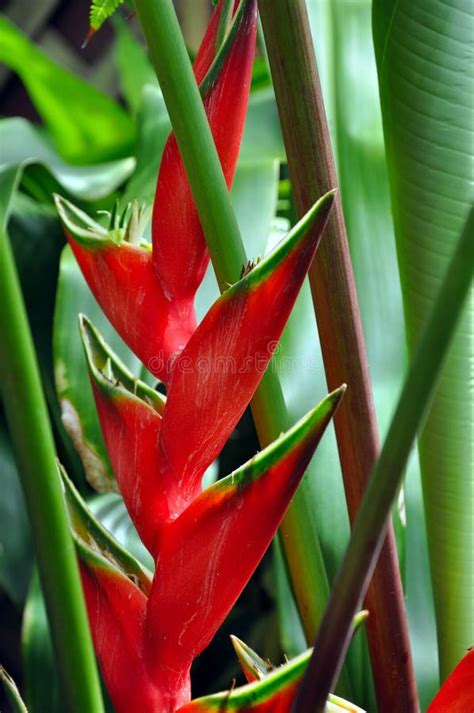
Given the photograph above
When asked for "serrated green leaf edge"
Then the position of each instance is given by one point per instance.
(122, 381)
(100, 12)
(96, 545)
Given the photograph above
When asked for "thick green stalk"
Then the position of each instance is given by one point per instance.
(190, 125)
(188, 118)
(371, 523)
(33, 444)
(312, 171)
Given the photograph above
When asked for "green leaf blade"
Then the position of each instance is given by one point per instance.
(425, 73)
(86, 125)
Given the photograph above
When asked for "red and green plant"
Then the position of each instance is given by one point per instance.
(149, 624)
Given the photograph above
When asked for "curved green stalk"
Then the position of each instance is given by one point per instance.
(190, 125)
(33, 443)
(371, 523)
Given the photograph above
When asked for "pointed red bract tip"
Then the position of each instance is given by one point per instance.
(180, 254)
(221, 366)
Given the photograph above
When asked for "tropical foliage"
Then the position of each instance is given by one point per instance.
(169, 322)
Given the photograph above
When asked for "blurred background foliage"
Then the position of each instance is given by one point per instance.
(90, 123)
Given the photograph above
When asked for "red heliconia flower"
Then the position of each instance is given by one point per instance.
(148, 295)
(456, 695)
(148, 629)
(160, 449)
(147, 632)
(160, 452)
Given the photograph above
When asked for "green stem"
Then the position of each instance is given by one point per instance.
(188, 118)
(313, 172)
(191, 128)
(30, 431)
(371, 523)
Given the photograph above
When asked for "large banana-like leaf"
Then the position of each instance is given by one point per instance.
(424, 56)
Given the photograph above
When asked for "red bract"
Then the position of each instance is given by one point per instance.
(218, 372)
(160, 453)
(130, 414)
(457, 693)
(160, 449)
(211, 550)
(206, 545)
(116, 610)
(148, 296)
(197, 576)
(180, 263)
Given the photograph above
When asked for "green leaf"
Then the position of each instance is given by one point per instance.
(135, 70)
(12, 692)
(93, 538)
(101, 10)
(110, 509)
(87, 126)
(22, 142)
(291, 632)
(262, 135)
(42, 692)
(16, 555)
(73, 388)
(153, 127)
(424, 58)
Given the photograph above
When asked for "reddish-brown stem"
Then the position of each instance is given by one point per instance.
(312, 171)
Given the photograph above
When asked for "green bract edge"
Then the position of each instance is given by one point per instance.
(249, 660)
(212, 73)
(12, 692)
(259, 691)
(263, 269)
(96, 545)
(98, 354)
(318, 417)
(88, 232)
